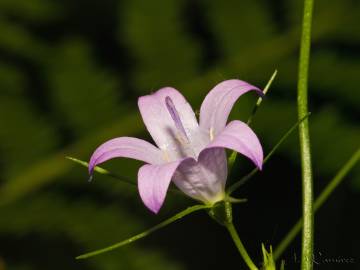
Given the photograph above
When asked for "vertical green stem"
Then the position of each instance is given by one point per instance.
(240, 246)
(324, 195)
(302, 86)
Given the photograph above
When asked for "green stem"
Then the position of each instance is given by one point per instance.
(307, 183)
(234, 235)
(145, 233)
(233, 155)
(324, 195)
(122, 178)
(103, 171)
(260, 99)
(244, 179)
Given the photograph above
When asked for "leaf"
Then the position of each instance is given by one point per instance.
(46, 215)
(25, 129)
(173, 57)
(15, 39)
(34, 10)
(82, 93)
(239, 24)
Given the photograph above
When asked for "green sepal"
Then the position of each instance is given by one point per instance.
(221, 212)
(268, 259)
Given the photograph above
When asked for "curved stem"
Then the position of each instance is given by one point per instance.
(234, 235)
(244, 179)
(324, 195)
(307, 183)
(166, 222)
(233, 155)
(122, 178)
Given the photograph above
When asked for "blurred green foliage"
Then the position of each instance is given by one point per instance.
(70, 73)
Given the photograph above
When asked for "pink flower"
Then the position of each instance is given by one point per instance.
(190, 154)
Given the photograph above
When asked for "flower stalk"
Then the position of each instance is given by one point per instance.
(221, 212)
(234, 235)
(302, 99)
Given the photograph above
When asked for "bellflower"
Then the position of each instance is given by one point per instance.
(189, 153)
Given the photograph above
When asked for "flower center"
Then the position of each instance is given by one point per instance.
(182, 136)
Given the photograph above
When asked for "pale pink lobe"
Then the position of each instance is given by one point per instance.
(239, 137)
(153, 183)
(217, 105)
(160, 123)
(203, 179)
(126, 147)
(191, 155)
(158, 120)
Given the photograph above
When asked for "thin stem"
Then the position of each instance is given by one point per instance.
(320, 200)
(233, 155)
(122, 178)
(235, 237)
(244, 179)
(260, 99)
(145, 233)
(307, 182)
(103, 171)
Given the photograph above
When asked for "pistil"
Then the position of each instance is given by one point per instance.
(176, 118)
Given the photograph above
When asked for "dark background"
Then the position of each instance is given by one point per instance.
(70, 76)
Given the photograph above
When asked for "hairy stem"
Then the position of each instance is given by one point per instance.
(302, 99)
(324, 195)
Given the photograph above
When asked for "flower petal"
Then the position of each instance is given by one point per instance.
(239, 137)
(126, 147)
(218, 103)
(158, 120)
(205, 178)
(153, 183)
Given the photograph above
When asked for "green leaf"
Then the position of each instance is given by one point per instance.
(239, 24)
(164, 53)
(34, 10)
(85, 224)
(83, 94)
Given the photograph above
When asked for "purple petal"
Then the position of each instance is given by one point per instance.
(153, 183)
(218, 103)
(159, 121)
(205, 178)
(239, 137)
(126, 147)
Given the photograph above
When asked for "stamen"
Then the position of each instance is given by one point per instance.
(175, 116)
(166, 155)
(211, 133)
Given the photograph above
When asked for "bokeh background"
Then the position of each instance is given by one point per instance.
(70, 75)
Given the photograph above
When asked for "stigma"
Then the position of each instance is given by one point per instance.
(181, 134)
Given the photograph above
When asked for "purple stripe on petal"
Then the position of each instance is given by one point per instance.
(153, 183)
(218, 103)
(239, 137)
(175, 116)
(160, 123)
(126, 147)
